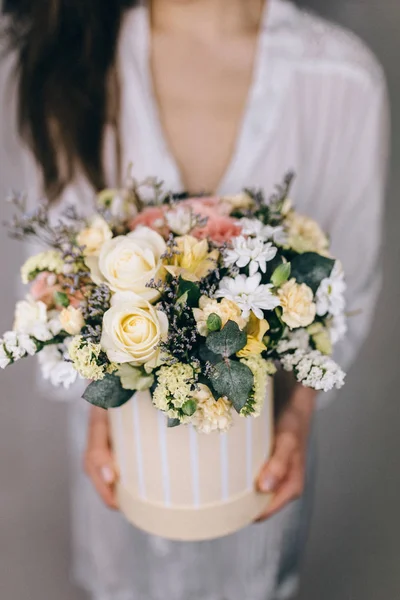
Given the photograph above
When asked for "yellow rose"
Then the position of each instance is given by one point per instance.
(133, 330)
(129, 262)
(297, 304)
(256, 329)
(305, 235)
(71, 320)
(226, 310)
(94, 236)
(194, 260)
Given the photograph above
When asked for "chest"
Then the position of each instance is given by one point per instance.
(201, 93)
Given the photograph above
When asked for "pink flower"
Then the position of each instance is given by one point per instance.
(43, 289)
(219, 229)
(153, 217)
(207, 206)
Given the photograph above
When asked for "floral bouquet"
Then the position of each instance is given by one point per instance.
(196, 299)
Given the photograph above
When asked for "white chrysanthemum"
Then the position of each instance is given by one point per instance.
(55, 368)
(330, 294)
(180, 220)
(313, 369)
(255, 228)
(253, 252)
(211, 415)
(249, 294)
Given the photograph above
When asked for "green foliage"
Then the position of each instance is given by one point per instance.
(173, 422)
(228, 341)
(234, 380)
(191, 291)
(61, 299)
(281, 274)
(107, 393)
(311, 268)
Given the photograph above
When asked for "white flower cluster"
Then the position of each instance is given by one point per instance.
(297, 339)
(14, 346)
(330, 300)
(313, 369)
(56, 367)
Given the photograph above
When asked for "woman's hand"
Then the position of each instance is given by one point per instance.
(99, 461)
(283, 474)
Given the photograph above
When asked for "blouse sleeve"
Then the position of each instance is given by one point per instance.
(356, 198)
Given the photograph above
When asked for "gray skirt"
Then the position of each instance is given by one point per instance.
(114, 561)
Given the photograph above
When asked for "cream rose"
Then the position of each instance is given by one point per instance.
(129, 262)
(132, 331)
(94, 236)
(297, 304)
(71, 320)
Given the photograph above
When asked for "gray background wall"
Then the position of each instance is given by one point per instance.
(353, 552)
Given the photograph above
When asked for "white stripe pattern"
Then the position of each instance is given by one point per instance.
(162, 433)
(194, 461)
(224, 466)
(138, 447)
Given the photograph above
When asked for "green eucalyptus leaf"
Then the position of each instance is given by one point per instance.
(214, 322)
(192, 290)
(189, 407)
(234, 380)
(173, 422)
(61, 299)
(311, 268)
(207, 355)
(281, 274)
(107, 392)
(228, 341)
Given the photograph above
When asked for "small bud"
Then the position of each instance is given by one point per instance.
(214, 322)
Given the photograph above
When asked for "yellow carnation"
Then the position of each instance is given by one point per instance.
(298, 308)
(305, 235)
(93, 237)
(226, 310)
(194, 260)
(256, 329)
(211, 415)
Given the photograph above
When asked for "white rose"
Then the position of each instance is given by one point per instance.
(132, 331)
(71, 320)
(129, 262)
(94, 236)
(31, 318)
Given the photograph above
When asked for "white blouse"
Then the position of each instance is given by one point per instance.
(318, 106)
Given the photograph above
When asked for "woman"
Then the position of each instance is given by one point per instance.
(209, 95)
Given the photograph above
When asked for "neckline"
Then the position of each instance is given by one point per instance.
(246, 126)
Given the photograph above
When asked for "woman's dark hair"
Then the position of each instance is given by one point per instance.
(67, 91)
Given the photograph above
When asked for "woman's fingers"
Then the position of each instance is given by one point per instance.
(99, 461)
(276, 469)
(290, 489)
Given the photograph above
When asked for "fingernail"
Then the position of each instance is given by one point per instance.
(268, 483)
(107, 474)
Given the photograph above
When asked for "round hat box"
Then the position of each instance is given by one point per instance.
(184, 485)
